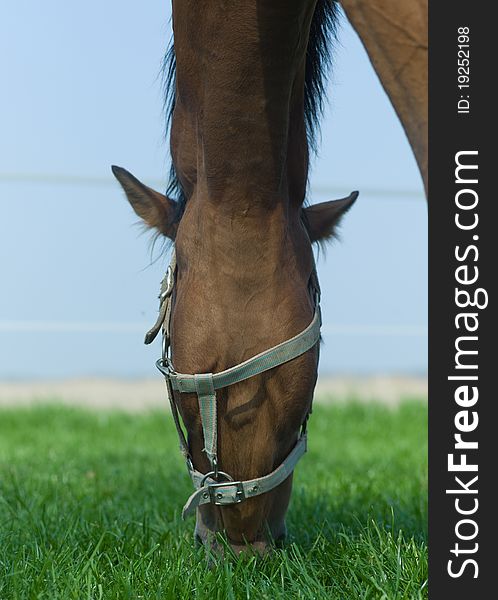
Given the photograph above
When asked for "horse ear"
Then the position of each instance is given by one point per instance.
(322, 219)
(156, 210)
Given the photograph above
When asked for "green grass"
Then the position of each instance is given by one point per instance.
(90, 508)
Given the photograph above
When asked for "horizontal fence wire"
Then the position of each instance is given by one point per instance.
(12, 326)
(58, 179)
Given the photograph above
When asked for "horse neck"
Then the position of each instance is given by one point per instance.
(238, 133)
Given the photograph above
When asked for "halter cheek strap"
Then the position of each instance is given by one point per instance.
(208, 487)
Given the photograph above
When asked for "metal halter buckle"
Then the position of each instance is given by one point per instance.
(216, 496)
(170, 281)
(220, 499)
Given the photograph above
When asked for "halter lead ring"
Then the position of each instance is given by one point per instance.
(208, 487)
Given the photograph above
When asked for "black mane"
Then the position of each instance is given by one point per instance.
(174, 189)
(318, 60)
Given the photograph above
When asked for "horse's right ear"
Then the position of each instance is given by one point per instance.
(156, 210)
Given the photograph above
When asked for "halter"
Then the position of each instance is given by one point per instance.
(217, 487)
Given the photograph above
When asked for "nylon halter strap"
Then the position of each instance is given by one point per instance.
(208, 487)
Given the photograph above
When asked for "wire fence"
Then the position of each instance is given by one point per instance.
(58, 327)
(59, 179)
(11, 326)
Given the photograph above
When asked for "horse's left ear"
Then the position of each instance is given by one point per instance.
(156, 210)
(322, 219)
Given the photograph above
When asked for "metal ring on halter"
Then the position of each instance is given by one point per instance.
(165, 366)
(190, 464)
(165, 346)
(222, 473)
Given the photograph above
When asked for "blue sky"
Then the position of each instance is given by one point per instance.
(81, 92)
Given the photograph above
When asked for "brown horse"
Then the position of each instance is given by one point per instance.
(247, 79)
(394, 33)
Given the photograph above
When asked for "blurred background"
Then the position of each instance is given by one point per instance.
(79, 282)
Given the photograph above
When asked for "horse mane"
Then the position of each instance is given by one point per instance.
(174, 189)
(323, 32)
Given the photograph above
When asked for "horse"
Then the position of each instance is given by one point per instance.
(394, 35)
(240, 302)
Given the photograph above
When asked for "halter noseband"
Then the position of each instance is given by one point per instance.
(208, 488)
